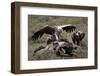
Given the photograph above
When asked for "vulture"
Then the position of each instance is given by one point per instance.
(77, 37)
(54, 32)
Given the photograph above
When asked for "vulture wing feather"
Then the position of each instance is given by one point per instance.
(69, 28)
(45, 30)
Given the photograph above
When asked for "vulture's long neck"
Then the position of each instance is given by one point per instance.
(58, 34)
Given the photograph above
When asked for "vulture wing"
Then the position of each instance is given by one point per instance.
(45, 30)
(68, 28)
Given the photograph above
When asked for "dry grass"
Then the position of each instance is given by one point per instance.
(36, 22)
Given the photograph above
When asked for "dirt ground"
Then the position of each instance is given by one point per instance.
(36, 22)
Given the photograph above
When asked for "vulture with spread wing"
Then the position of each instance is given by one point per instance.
(55, 31)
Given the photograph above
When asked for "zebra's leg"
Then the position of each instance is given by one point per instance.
(38, 49)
